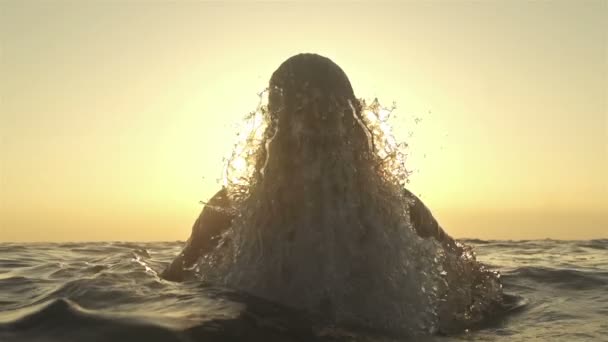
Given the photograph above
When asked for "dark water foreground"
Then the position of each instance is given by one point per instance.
(111, 292)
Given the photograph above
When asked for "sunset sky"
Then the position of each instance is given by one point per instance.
(115, 116)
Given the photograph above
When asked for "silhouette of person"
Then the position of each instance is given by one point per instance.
(302, 90)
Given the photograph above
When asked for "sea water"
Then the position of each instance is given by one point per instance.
(111, 291)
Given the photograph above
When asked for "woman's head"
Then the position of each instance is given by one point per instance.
(308, 75)
(314, 110)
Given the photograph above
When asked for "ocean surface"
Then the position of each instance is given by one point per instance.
(111, 291)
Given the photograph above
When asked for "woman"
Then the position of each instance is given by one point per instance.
(323, 222)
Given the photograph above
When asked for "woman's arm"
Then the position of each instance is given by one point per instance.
(425, 224)
(211, 223)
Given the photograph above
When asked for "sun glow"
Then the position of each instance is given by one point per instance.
(111, 121)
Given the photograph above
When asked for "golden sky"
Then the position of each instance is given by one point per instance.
(115, 116)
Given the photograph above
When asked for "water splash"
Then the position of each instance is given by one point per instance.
(254, 134)
(364, 261)
(391, 153)
(333, 235)
(258, 129)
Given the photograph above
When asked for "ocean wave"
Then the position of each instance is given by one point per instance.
(64, 320)
(561, 278)
(474, 241)
(600, 244)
